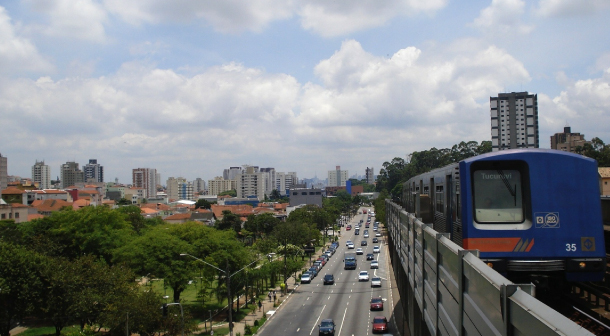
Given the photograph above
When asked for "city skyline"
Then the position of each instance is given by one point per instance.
(192, 88)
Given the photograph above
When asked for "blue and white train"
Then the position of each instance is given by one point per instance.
(530, 212)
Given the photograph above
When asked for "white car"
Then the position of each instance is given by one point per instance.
(376, 282)
(348, 242)
(377, 234)
(350, 246)
(374, 264)
(359, 251)
(376, 249)
(366, 235)
(363, 276)
(306, 278)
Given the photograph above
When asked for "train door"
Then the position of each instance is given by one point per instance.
(449, 203)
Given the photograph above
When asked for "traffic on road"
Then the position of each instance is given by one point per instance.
(351, 297)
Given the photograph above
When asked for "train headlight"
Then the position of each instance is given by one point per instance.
(490, 264)
(582, 264)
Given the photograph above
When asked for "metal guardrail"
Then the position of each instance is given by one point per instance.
(450, 291)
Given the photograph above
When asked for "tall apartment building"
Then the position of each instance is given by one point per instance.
(251, 183)
(514, 121)
(219, 184)
(94, 172)
(199, 186)
(337, 177)
(568, 141)
(270, 179)
(231, 173)
(370, 175)
(3, 173)
(179, 189)
(145, 178)
(285, 181)
(70, 174)
(41, 174)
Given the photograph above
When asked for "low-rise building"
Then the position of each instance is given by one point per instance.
(305, 196)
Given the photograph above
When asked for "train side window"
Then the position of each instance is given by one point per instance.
(498, 196)
(440, 197)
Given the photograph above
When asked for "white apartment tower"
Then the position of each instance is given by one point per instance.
(514, 121)
(179, 189)
(285, 181)
(251, 183)
(337, 177)
(145, 178)
(41, 174)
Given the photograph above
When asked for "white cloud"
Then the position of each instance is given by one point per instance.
(502, 16)
(17, 53)
(79, 19)
(228, 16)
(336, 18)
(570, 8)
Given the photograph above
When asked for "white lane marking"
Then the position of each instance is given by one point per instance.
(343, 320)
(318, 319)
(298, 329)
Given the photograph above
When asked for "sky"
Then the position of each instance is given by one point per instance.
(193, 87)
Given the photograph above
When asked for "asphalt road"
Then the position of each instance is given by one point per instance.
(347, 302)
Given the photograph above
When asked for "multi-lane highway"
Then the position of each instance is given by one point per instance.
(347, 302)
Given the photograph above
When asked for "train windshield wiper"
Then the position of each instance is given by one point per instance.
(511, 190)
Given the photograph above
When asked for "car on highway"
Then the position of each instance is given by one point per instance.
(377, 303)
(366, 234)
(348, 242)
(318, 264)
(349, 227)
(306, 277)
(350, 246)
(329, 279)
(380, 324)
(376, 249)
(370, 256)
(376, 282)
(357, 232)
(327, 328)
(375, 240)
(363, 276)
(363, 243)
(313, 270)
(367, 225)
(377, 234)
(374, 264)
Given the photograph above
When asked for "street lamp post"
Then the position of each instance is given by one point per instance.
(228, 277)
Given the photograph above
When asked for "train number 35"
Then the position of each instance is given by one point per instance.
(571, 247)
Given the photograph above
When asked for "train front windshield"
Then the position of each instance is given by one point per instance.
(498, 196)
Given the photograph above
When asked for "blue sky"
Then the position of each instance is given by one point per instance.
(193, 87)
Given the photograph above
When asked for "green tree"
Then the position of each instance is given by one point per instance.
(123, 201)
(229, 221)
(203, 204)
(232, 193)
(20, 282)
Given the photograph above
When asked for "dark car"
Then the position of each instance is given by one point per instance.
(314, 271)
(363, 243)
(329, 279)
(327, 327)
(380, 324)
(357, 231)
(375, 240)
(376, 303)
(370, 256)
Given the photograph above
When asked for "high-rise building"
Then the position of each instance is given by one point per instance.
(251, 183)
(219, 184)
(70, 174)
(337, 177)
(270, 185)
(3, 173)
(199, 186)
(231, 173)
(179, 189)
(370, 175)
(94, 172)
(514, 121)
(145, 178)
(285, 181)
(41, 174)
(568, 141)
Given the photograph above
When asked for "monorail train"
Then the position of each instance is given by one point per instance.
(532, 213)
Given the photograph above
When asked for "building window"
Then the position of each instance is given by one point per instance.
(16, 215)
(3, 216)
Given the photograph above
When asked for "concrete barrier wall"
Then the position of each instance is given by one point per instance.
(455, 293)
